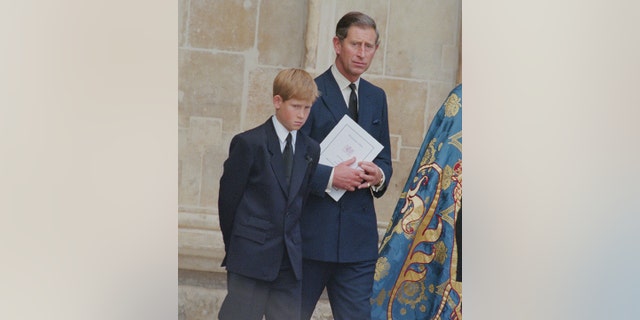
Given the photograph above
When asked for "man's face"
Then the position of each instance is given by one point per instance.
(291, 113)
(355, 52)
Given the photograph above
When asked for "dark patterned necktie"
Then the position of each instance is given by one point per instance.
(353, 103)
(287, 156)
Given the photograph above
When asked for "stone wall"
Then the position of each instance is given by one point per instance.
(229, 53)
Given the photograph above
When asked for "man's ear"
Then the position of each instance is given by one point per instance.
(336, 45)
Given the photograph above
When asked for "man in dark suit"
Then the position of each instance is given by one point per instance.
(262, 191)
(340, 239)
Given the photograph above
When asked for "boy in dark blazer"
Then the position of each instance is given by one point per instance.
(263, 188)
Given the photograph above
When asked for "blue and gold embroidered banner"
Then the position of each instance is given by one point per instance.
(415, 274)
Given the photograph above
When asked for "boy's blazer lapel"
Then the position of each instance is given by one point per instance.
(301, 161)
(277, 163)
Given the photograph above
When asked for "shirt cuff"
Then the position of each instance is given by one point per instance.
(329, 185)
(379, 186)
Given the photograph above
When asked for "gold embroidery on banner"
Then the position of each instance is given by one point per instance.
(430, 152)
(414, 210)
(415, 221)
(447, 217)
(457, 286)
(451, 304)
(451, 284)
(458, 310)
(413, 207)
(414, 225)
(457, 191)
(397, 229)
(382, 268)
(412, 293)
(452, 105)
(441, 252)
(456, 140)
(447, 173)
(380, 298)
(454, 262)
(445, 297)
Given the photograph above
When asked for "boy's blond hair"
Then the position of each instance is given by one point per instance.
(295, 84)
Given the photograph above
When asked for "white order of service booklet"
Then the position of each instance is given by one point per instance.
(346, 140)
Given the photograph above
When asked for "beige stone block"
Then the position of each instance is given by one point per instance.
(197, 210)
(427, 65)
(322, 311)
(260, 105)
(407, 158)
(182, 147)
(200, 243)
(194, 172)
(213, 280)
(198, 303)
(197, 220)
(281, 33)
(224, 25)
(406, 100)
(417, 36)
(386, 204)
(450, 57)
(210, 85)
(212, 167)
(206, 139)
(396, 143)
(434, 21)
(382, 229)
(376, 9)
(183, 139)
(183, 10)
(190, 173)
(204, 133)
(200, 263)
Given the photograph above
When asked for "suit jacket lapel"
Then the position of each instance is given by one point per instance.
(332, 96)
(365, 107)
(301, 161)
(277, 163)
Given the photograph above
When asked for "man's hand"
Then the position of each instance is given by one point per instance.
(345, 177)
(370, 174)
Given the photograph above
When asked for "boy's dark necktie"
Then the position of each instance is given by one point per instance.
(287, 156)
(353, 103)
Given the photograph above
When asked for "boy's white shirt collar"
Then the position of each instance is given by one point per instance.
(282, 133)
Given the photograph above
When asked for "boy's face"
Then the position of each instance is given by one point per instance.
(291, 113)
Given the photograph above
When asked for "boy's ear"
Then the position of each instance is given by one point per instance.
(277, 100)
